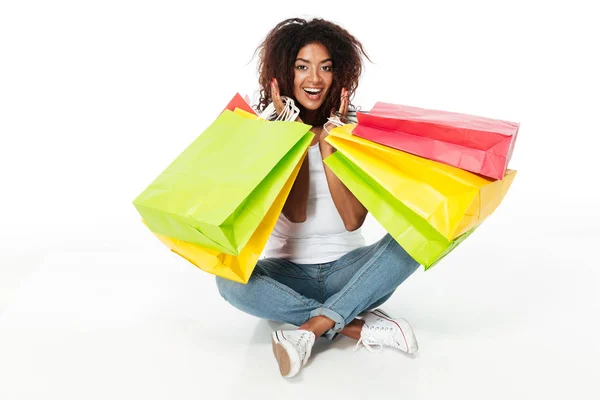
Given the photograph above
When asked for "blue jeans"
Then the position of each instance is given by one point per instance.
(361, 280)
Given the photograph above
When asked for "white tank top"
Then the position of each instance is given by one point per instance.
(322, 237)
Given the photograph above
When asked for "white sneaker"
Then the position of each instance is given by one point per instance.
(382, 330)
(292, 349)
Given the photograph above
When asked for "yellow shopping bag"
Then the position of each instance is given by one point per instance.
(452, 200)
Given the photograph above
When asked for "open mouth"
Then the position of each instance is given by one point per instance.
(313, 93)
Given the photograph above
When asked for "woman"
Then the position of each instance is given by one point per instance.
(318, 274)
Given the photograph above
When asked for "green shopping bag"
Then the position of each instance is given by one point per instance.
(425, 244)
(217, 192)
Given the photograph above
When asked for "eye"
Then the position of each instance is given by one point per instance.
(301, 67)
(328, 68)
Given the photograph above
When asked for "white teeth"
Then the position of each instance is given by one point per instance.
(312, 91)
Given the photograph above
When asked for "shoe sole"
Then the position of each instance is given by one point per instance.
(282, 357)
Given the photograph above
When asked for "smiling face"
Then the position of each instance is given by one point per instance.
(313, 76)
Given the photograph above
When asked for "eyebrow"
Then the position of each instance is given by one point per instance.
(308, 62)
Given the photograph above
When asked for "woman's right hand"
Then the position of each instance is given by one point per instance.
(276, 98)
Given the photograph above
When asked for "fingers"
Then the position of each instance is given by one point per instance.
(342, 111)
(344, 102)
(276, 97)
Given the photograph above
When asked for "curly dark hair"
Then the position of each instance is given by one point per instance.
(278, 52)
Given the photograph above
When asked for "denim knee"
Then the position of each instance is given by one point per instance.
(236, 293)
(226, 287)
(398, 253)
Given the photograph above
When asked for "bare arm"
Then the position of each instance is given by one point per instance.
(296, 203)
(295, 206)
(351, 210)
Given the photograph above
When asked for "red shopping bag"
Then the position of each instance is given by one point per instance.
(476, 144)
(239, 102)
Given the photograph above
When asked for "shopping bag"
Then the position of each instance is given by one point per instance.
(238, 102)
(235, 268)
(217, 192)
(450, 199)
(420, 240)
(476, 144)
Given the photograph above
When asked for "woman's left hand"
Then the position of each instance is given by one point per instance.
(343, 110)
(344, 102)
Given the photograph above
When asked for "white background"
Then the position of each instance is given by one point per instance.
(97, 98)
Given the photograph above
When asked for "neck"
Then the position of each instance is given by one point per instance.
(309, 117)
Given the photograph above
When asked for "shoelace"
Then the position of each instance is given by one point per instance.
(376, 336)
(302, 343)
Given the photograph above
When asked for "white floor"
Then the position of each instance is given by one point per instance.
(146, 324)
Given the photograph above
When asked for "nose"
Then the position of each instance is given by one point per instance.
(315, 76)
